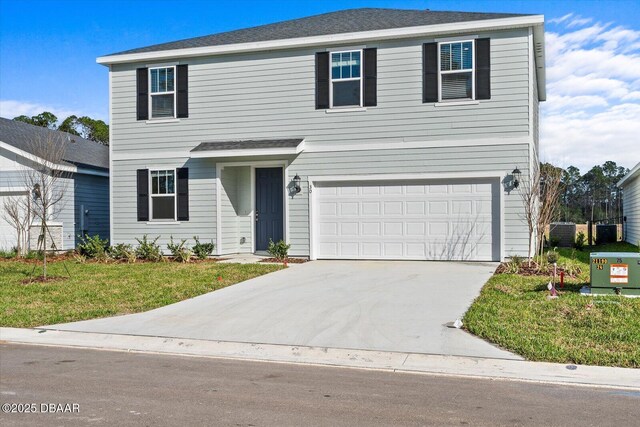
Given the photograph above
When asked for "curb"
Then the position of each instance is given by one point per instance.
(413, 363)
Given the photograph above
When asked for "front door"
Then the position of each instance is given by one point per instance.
(269, 206)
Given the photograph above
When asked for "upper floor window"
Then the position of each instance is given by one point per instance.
(162, 92)
(457, 71)
(346, 79)
(163, 194)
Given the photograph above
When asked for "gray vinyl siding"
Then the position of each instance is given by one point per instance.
(631, 207)
(202, 197)
(272, 95)
(498, 158)
(92, 194)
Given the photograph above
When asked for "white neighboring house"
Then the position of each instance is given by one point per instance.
(85, 206)
(630, 185)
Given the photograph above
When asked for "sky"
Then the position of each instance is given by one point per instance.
(592, 113)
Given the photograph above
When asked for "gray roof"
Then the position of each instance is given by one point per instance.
(247, 144)
(79, 151)
(343, 21)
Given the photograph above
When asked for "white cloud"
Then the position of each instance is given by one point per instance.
(592, 113)
(10, 109)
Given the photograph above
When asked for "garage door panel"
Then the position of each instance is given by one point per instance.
(409, 220)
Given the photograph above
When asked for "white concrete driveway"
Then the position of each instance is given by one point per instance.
(375, 305)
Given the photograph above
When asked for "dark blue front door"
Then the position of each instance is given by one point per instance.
(269, 206)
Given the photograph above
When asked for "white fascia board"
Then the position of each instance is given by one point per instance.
(632, 173)
(541, 73)
(36, 159)
(363, 36)
(245, 153)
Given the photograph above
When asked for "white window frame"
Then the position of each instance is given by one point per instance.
(473, 70)
(175, 194)
(361, 78)
(173, 92)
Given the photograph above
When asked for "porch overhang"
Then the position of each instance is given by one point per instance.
(248, 147)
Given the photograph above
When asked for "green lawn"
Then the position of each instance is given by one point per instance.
(513, 311)
(100, 290)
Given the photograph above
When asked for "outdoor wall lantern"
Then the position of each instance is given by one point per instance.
(516, 177)
(296, 184)
(36, 191)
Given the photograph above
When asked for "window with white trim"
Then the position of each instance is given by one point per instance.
(457, 70)
(162, 92)
(346, 79)
(163, 195)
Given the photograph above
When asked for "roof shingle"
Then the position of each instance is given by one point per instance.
(343, 21)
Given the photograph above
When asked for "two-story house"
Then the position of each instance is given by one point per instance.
(357, 134)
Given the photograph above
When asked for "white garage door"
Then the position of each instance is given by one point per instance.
(417, 220)
(8, 237)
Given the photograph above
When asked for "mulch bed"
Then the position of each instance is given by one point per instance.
(42, 279)
(531, 270)
(289, 260)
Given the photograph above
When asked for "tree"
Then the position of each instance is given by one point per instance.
(541, 196)
(47, 183)
(44, 119)
(85, 127)
(17, 212)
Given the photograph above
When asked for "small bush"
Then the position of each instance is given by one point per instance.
(202, 250)
(179, 251)
(93, 247)
(554, 242)
(581, 241)
(11, 253)
(123, 252)
(513, 265)
(279, 250)
(148, 250)
(552, 257)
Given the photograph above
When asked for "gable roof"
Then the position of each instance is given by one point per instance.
(340, 22)
(79, 151)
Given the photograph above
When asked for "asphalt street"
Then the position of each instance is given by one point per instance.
(118, 388)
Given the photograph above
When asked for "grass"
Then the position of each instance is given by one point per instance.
(513, 312)
(99, 290)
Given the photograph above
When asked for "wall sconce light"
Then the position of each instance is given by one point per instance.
(516, 177)
(296, 183)
(36, 192)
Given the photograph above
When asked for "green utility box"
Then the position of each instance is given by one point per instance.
(615, 273)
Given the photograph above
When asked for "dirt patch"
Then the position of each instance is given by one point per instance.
(288, 261)
(42, 279)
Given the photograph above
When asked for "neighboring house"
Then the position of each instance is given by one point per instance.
(84, 208)
(358, 134)
(630, 185)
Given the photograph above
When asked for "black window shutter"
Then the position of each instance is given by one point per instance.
(183, 194)
(183, 89)
(322, 80)
(430, 72)
(143, 194)
(370, 77)
(142, 102)
(483, 69)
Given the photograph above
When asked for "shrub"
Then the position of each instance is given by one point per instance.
(279, 250)
(148, 250)
(11, 253)
(93, 247)
(124, 252)
(513, 265)
(581, 241)
(202, 250)
(179, 251)
(552, 257)
(554, 242)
